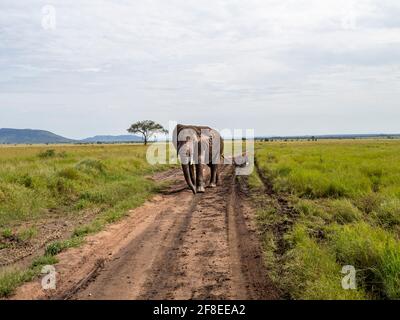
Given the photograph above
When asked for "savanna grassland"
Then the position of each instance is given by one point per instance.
(326, 204)
(320, 205)
(53, 196)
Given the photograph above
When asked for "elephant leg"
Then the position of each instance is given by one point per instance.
(193, 173)
(217, 174)
(213, 178)
(200, 178)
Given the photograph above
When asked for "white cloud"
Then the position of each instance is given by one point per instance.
(256, 61)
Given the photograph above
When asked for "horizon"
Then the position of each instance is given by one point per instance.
(256, 135)
(281, 68)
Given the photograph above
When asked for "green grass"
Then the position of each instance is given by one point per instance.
(66, 181)
(346, 200)
(27, 234)
(7, 233)
(69, 179)
(311, 270)
(10, 280)
(373, 250)
(56, 247)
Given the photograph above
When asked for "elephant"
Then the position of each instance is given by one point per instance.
(198, 146)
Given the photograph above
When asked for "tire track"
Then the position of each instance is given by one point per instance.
(177, 246)
(204, 250)
(284, 209)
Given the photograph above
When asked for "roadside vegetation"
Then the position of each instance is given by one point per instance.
(342, 203)
(94, 185)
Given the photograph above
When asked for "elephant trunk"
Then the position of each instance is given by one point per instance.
(186, 174)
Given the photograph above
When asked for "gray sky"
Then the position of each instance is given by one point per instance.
(280, 67)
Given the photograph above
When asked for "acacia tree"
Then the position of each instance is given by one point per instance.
(147, 128)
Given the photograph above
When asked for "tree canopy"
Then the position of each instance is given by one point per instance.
(147, 128)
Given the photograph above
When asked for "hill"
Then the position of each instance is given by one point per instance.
(112, 139)
(30, 136)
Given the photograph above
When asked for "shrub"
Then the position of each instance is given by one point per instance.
(49, 153)
(69, 173)
(54, 248)
(26, 180)
(91, 166)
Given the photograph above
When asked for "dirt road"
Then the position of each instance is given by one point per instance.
(176, 246)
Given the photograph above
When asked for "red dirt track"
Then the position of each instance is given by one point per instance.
(176, 246)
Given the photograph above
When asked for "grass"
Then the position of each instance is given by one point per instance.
(56, 247)
(10, 280)
(7, 233)
(346, 202)
(67, 181)
(27, 234)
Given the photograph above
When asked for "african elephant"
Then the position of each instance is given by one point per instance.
(198, 146)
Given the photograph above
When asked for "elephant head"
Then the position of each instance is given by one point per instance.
(198, 146)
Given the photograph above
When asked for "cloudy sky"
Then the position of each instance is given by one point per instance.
(280, 67)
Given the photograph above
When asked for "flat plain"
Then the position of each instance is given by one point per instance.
(115, 226)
